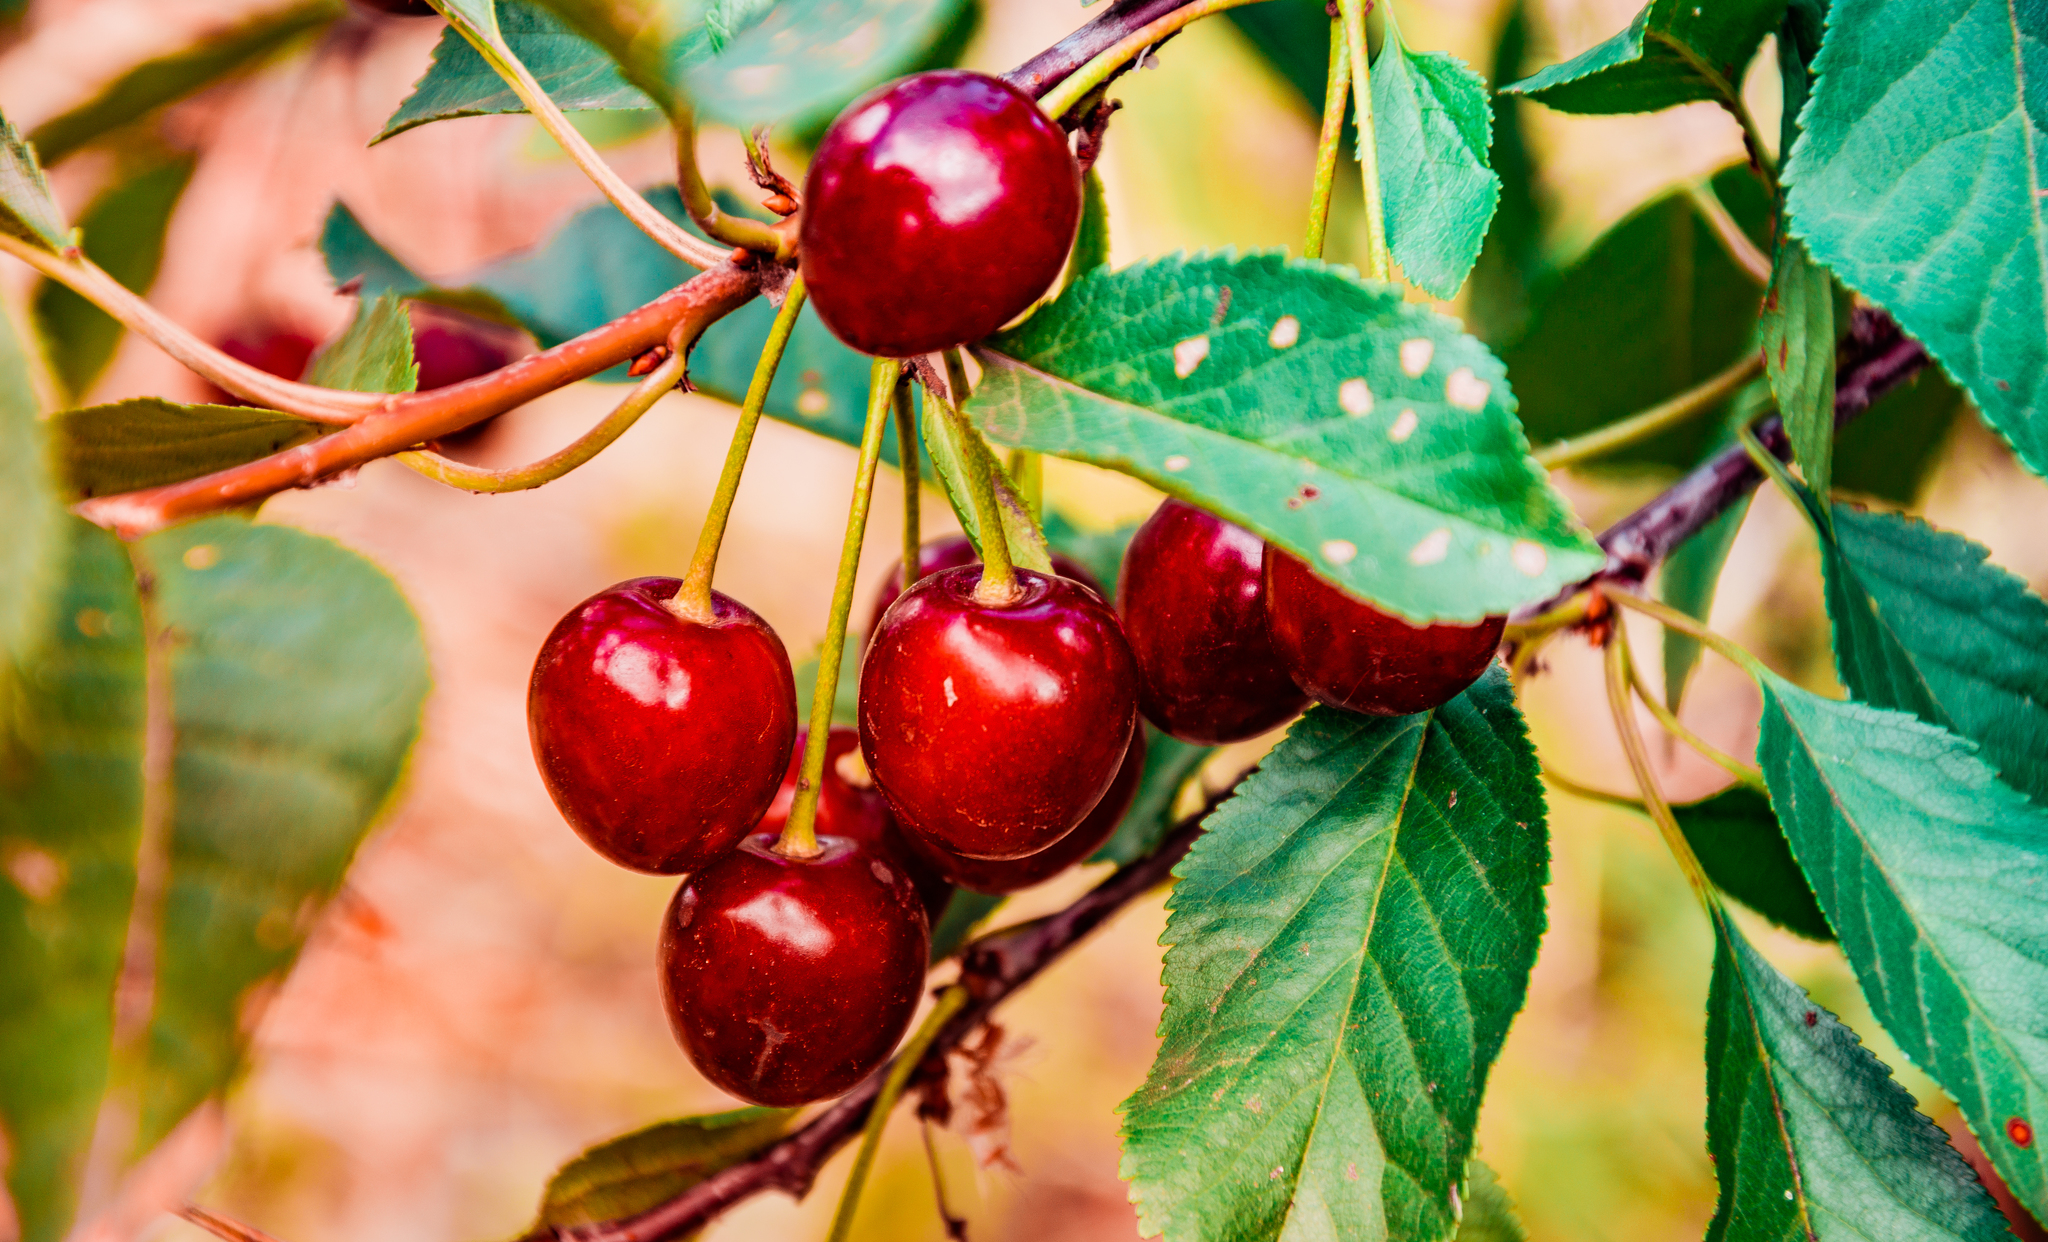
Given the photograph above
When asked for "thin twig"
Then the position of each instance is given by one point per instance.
(1709, 394)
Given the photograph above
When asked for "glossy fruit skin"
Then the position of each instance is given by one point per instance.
(661, 740)
(1348, 654)
(937, 209)
(952, 552)
(994, 729)
(790, 980)
(857, 812)
(1012, 875)
(1193, 601)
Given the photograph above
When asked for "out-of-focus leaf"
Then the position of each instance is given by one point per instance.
(30, 511)
(726, 20)
(373, 354)
(1348, 943)
(1489, 1212)
(1933, 875)
(1365, 435)
(846, 696)
(576, 73)
(1100, 552)
(1433, 124)
(1512, 266)
(1891, 450)
(123, 232)
(27, 209)
(166, 79)
(1738, 841)
(965, 910)
(954, 453)
(1675, 51)
(70, 821)
(1810, 1135)
(1294, 37)
(637, 1171)
(1798, 328)
(1654, 307)
(1687, 581)
(295, 692)
(1091, 244)
(1169, 763)
(1918, 181)
(147, 442)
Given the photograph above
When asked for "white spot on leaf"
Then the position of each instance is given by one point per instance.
(1528, 557)
(1339, 551)
(1403, 427)
(1432, 548)
(1176, 463)
(1285, 333)
(1189, 354)
(1466, 390)
(1356, 397)
(1415, 354)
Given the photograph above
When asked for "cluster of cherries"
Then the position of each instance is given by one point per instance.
(999, 738)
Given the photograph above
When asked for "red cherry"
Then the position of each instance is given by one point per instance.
(789, 980)
(451, 347)
(993, 729)
(661, 740)
(952, 552)
(1008, 876)
(937, 209)
(1349, 654)
(849, 806)
(278, 352)
(1192, 598)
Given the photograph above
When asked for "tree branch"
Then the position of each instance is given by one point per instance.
(407, 420)
(1875, 358)
(1119, 21)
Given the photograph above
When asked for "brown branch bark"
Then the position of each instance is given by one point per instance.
(1876, 358)
(407, 420)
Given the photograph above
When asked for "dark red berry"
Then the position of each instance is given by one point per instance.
(451, 347)
(661, 739)
(1347, 653)
(276, 351)
(952, 552)
(789, 980)
(1010, 875)
(850, 806)
(937, 209)
(1192, 599)
(993, 729)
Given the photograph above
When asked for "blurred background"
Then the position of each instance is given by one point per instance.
(479, 1003)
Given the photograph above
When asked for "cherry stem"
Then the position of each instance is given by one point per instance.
(1734, 241)
(998, 575)
(704, 209)
(1709, 394)
(87, 279)
(656, 385)
(1061, 99)
(1586, 792)
(951, 1001)
(1621, 704)
(1378, 263)
(955, 1226)
(1727, 648)
(693, 598)
(799, 836)
(906, 454)
(1329, 141)
(1745, 773)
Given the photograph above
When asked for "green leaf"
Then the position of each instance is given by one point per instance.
(31, 512)
(955, 457)
(1926, 624)
(1738, 841)
(1294, 37)
(576, 73)
(1169, 764)
(1091, 244)
(172, 77)
(965, 911)
(123, 232)
(1933, 875)
(1368, 436)
(846, 695)
(1798, 328)
(1432, 122)
(295, 690)
(1512, 265)
(70, 821)
(27, 209)
(1674, 52)
(725, 20)
(641, 1170)
(147, 442)
(1349, 941)
(1918, 182)
(373, 354)
(1687, 581)
(1489, 1212)
(1654, 307)
(1810, 1135)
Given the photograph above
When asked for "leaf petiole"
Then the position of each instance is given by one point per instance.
(1620, 704)
(1707, 395)
(1060, 100)
(1337, 94)
(1672, 618)
(998, 574)
(1379, 263)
